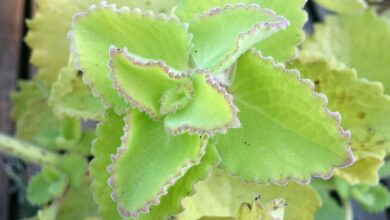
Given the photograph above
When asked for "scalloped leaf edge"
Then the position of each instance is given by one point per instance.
(335, 116)
(280, 23)
(170, 72)
(164, 189)
(235, 123)
(122, 10)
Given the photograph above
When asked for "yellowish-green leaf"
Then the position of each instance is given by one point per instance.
(108, 134)
(221, 195)
(210, 110)
(365, 110)
(223, 34)
(142, 82)
(71, 97)
(342, 37)
(158, 37)
(282, 45)
(156, 162)
(287, 131)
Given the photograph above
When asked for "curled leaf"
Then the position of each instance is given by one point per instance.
(92, 33)
(156, 164)
(223, 34)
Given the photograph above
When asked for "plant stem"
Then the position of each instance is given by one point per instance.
(348, 210)
(27, 152)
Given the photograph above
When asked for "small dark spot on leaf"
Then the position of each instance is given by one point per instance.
(79, 73)
(196, 51)
(317, 82)
(257, 198)
(361, 115)
(381, 142)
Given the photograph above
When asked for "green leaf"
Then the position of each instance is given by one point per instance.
(170, 204)
(367, 51)
(142, 82)
(287, 131)
(385, 170)
(78, 203)
(329, 208)
(282, 45)
(75, 166)
(47, 35)
(108, 134)
(345, 6)
(71, 97)
(210, 110)
(45, 186)
(223, 34)
(176, 98)
(138, 190)
(371, 198)
(221, 195)
(158, 37)
(366, 114)
(48, 29)
(35, 121)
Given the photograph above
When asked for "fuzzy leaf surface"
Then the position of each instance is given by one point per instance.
(150, 36)
(51, 22)
(365, 110)
(221, 195)
(142, 82)
(222, 34)
(282, 117)
(367, 51)
(108, 138)
(210, 110)
(171, 204)
(156, 163)
(71, 97)
(282, 45)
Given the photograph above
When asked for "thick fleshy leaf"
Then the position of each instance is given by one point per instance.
(366, 112)
(48, 29)
(210, 110)
(371, 198)
(142, 82)
(223, 34)
(158, 37)
(45, 186)
(47, 35)
(71, 97)
(170, 204)
(287, 131)
(221, 195)
(344, 6)
(282, 45)
(367, 51)
(108, 139)
(155, 163)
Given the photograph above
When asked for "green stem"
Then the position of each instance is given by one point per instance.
(27, 152)
(348, 210)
